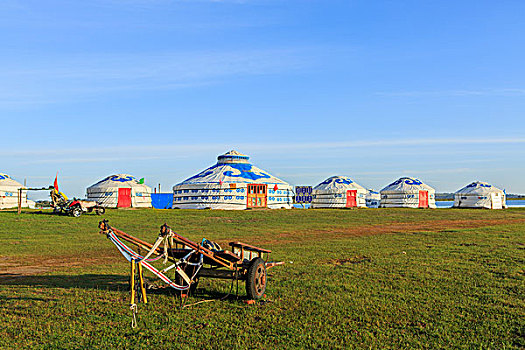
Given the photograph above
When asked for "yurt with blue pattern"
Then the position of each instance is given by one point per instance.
(120, 191)
(233, 183)
(9, 192)
(408, 192)
(338, 192)
(480, 195)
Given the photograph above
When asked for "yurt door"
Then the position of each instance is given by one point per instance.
(257, 196)
(423, 199)
(496, 201)
(124, 198)
(351, 198)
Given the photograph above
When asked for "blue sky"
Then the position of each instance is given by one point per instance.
(309, 89)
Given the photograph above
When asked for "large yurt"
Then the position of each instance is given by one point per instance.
(373, 198)
(120, 191)
(9, 192)
(480, 195)
(338, 192)
(232, 183)
(408, 192)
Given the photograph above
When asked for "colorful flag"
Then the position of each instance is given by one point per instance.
(55, 184)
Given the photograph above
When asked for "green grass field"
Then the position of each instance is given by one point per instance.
(382, 278)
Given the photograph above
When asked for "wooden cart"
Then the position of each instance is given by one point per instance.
(192, 261)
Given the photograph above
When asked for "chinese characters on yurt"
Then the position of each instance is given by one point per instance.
(9, 192)
(338, 192)
(121, 191)
(408, 192)
(232, 183)
(480, 195)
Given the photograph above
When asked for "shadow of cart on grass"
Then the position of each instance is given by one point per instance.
(87, 281)
(106, 282)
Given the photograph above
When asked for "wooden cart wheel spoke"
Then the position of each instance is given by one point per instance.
(263, 280)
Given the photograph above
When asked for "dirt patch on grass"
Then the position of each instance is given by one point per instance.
(358, 259)
(395, 227)
(18, 271)
(11, 268)
(227, 219)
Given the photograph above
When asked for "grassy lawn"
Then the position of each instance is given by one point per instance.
(382, 278)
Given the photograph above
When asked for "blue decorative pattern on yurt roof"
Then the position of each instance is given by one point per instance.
(337, 180)
(479, 184)
(246, 172)
(117, 178)
(407, 180)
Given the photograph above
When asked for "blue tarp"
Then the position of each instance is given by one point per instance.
(162, 200)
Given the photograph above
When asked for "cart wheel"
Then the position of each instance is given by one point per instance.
(57, 210)
(100, 211)
(76, 212)
(256, 279)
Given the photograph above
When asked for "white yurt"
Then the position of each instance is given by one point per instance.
(373, 198)
(480, 195)
(232, 183)
(408, 192)
(338, 192)
(9, 192)
(120, 191)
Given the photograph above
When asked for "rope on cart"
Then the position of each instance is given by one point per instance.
(130, 255)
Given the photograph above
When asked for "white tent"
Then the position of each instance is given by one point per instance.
(480, 195)
(373, 199)
(408, 192)
(9, 192)
(120, 191)
(338, 192)
(232, 183)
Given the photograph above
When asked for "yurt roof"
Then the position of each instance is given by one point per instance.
(119, 180)
(407, 184)
(7, 181)
(233, 167)
(338, 183)
(478, 188)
